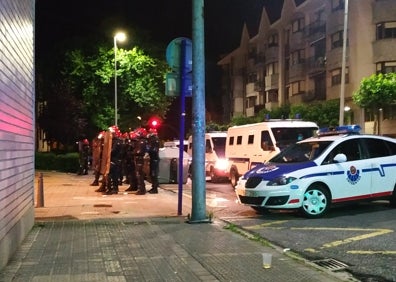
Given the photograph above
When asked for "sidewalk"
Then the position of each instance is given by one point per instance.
(81, 235)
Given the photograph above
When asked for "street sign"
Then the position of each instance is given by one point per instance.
(172, 85)
(173, 54)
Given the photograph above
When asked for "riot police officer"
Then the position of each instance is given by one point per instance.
(115, 161)
(140, 151)
(83, 156)
(153, 151)
(130, 166)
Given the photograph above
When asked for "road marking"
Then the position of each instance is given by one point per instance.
(372, 252)
(269, 224)
(374, 233)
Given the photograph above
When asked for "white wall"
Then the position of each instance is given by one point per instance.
(16, 124)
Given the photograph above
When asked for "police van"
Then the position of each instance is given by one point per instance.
(251, 144)
(216, 166)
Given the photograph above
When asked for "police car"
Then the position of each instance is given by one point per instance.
(337, 165)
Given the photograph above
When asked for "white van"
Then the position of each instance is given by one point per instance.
(216, 166)
(175, 143)
(250, 144)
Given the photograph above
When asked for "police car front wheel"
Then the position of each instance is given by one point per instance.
(316, 201)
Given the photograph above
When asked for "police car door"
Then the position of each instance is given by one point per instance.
(381, 155)
(348, 180)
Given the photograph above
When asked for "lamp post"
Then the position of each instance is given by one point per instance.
(120, 36)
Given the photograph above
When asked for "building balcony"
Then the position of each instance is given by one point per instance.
(271, 82)
(384, 11)
(272, 54)
(316, 64)
(297, 41)
(250, 112)
(384, 50)
(335, 21)
(315, 31)
(334, 58)
(297, 71)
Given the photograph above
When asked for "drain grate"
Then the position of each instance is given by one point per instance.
(331, 264)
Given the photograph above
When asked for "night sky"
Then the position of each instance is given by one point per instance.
(67, 23)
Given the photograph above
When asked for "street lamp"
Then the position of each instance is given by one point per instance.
(120, 36)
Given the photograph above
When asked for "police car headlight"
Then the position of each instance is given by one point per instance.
(281, 180)
(221, 164)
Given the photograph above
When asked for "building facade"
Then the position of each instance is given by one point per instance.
(17, 130)
(299, 58)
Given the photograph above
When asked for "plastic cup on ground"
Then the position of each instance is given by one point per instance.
(267, 260)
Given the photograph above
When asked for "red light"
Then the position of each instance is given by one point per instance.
(154, 122)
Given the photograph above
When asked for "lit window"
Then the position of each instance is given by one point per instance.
(336, 76)
(337, 39)
(386, 67)
(386, 30)
(273, 40)
(298, 25)
(296, 88)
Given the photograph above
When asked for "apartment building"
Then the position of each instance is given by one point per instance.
(299, 57)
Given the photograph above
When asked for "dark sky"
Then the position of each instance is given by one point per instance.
(71, 22)
(163, 19)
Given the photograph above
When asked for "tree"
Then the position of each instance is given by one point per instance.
(376, 92)
(140, 85)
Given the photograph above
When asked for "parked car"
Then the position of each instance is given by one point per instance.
(338, 165)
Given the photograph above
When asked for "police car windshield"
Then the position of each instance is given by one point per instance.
(301, 152)
(285, 136)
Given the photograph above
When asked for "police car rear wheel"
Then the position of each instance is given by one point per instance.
(316, 201)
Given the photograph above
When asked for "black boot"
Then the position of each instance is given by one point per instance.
(153, 191)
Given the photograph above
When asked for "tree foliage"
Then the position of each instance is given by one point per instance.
(323, 113)
(376, 91)
(140, 81)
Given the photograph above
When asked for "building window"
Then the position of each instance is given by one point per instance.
(296, 88)
(239, 140)
(252, 77)
(273, 40)
(297, 57)
(386, 30)
(336, 76)
(271, 68)
(298, 25)
(250, 102)
(337, 5)
(386, 67)
(337, 39)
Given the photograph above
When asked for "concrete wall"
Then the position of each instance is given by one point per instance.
(17, 119)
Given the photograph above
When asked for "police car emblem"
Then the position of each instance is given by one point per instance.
(267, 169)
(353, 175)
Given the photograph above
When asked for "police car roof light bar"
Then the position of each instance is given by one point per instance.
(338, 130)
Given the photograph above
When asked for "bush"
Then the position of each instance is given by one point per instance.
(60, 162)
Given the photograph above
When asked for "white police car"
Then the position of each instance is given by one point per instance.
(338, 165)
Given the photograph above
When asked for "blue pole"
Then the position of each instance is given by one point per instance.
(198, 213)
(183, 74)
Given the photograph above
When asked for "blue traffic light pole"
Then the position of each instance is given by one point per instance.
(183, 73)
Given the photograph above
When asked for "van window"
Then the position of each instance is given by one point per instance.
(266, 142)
(219, 144)
(251, 139)
(231, 141)
(208, 147)
(239, 140)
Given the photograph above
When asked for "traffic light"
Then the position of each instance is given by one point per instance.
(154, 122)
